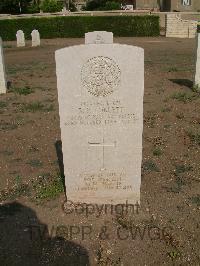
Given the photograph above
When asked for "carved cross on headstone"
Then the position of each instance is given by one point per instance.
(102, 145)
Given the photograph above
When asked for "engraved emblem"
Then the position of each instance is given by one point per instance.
(100, 76)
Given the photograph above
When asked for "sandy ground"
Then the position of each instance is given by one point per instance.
(34, 228)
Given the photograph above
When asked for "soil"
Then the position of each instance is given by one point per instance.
(31, 211)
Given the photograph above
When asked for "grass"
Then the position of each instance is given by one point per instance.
(181, 168)
(172, 69)
(50, 190)
(180, 115)
(196, 88)
(22, 90)
(36, 107)
(174, 254)
(184, 96)
(35, 163)
(177, 186)
(157, 151)
(3, 104)
(166, 109)
(196, 200)
(150, 166)
(194, 136)
(7, 126)
(15, 192)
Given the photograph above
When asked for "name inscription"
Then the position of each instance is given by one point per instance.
(100, 113)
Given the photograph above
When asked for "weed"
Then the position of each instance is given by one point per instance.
(157, 151)
(3, 104)
(180, 115)
(36, 107)
(196, 88)
(14, 192)
(150, 166)
(166, 109)
(180, 169)
(184, 97)
(50, 190)
(174, 254)
(22, 90)
(7, 126)
(172, 69)
(194, 137)
(196, 200)
(35, 163)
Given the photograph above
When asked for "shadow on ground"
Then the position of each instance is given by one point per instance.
(183, 82)
(24, 240)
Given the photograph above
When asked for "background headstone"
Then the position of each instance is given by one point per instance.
(99, 37)
(20, 38)
(197, 75)
(2, 70)
(100, 93)
(35, 38)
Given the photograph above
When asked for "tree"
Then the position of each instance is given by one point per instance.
(14, 6)
(102, 5)
(51, 6)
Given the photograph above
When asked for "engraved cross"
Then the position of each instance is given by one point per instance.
(102, 145)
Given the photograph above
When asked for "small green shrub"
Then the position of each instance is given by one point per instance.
(49, 6)
(111, 5)
(22, 90)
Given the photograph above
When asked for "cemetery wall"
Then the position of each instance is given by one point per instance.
(76, 26)
(177, 27)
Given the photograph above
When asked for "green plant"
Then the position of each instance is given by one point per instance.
(157, 151)
(35, 163)
(22, 90)
(196, 200)
(172, 69)
(181, 168)
(112, 5)
(51, 6)
(196, 88)
(3, 104)
(150, 166)
(194, 136)
(36, 107)
(50, 190)
(174, 254)
(184, 96)
(76, 26)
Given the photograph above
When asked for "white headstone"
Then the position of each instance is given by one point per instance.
(100, 93)
(35, 38)
(99, 37)
(20, 38)
(197, 75)
(2, 70)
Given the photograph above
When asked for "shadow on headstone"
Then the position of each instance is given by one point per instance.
(24, 240)
(58, 146)
(183, 82)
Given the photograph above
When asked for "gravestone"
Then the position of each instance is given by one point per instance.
(99, 37)
(197, 75)
(35, 38)
(20, 38)
(2, 70)
(100, 93)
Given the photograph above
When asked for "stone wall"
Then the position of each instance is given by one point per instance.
(177, 27)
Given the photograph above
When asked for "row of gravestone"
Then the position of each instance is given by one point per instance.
(100, 93)
(21, 38)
